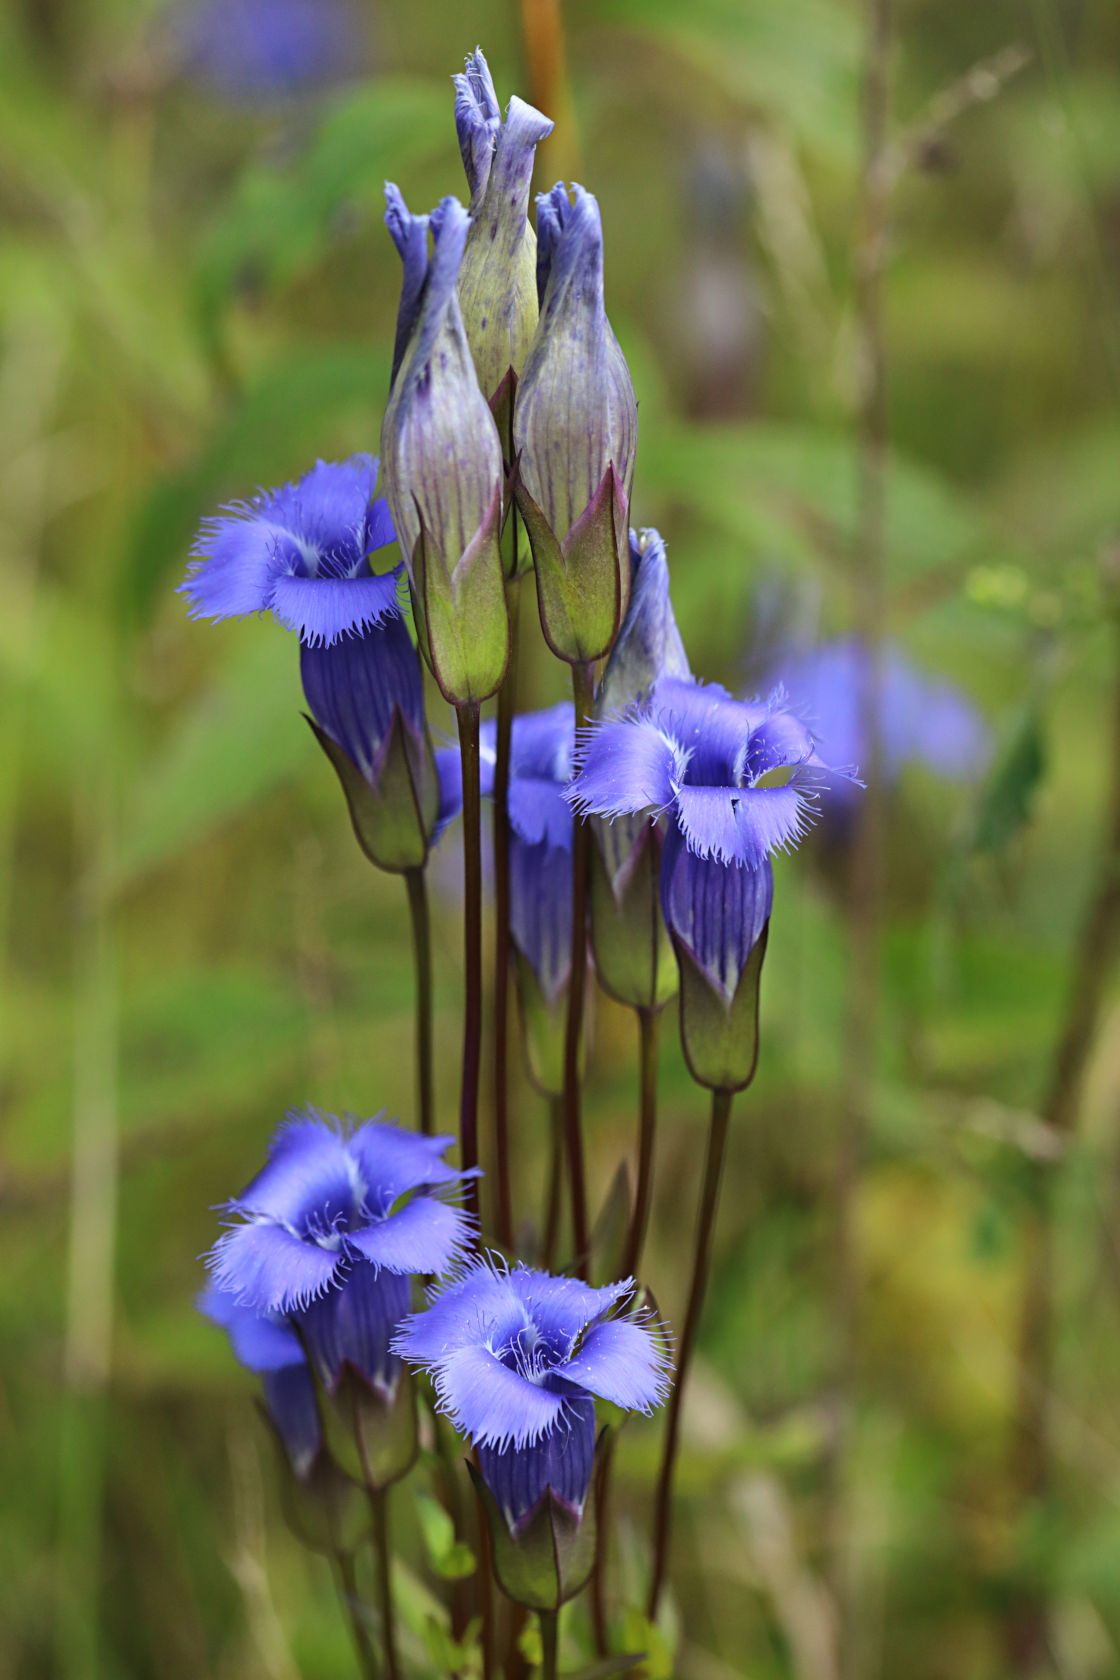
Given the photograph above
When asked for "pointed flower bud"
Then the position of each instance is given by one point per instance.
(633, 958)
(575, 434)
(443, 462)
(498, 278)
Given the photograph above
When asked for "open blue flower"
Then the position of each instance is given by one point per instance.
(330, 1230)
(517, 1358)
(301, 552)
(540, 860)
(264, 1343)
(738, 778)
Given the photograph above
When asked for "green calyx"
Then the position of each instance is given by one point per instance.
(371, 1435)
(325, 1509)
(461, 614)
(548, 1559)
(633, 954)
(583, 578)
(720, 1039)
(393, 813)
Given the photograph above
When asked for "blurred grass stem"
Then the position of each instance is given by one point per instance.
(93, 1222)
(550, 1641)
(701, 1264)
(348, 1592)
(865, 884)
(467, 717)
(583, 695)
(1028, 1625)
(417, 886)
(542, 30)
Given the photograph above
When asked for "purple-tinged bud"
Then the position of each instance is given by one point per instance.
(442, 460)
(718, 915)
(366, 700)
(649, 644)
(575, 434)
(561, 1460)
(498, 277)
(633, 958)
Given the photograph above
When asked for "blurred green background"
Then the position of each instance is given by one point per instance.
(197, 297)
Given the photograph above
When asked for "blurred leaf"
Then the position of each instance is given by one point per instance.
(242, 739)
(1007, 800)
(798, 63)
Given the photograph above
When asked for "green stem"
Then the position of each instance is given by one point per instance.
(647, 1131)
(472, 946)
(382, 1556)
(705, 1225)
(583, 695)
(416, 883)
(348, 1592)
(506, 701)
(550, 1642)
(555, 1181)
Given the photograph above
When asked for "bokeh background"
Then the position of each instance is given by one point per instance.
(197, 297)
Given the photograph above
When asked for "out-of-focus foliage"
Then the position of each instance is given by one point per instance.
(196, 296)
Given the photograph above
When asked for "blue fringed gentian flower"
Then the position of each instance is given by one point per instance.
(302, 552)
(443, 461)
(575, 436)
(498, 279)
(737, 782)
(517, 1358)
(329, 1232)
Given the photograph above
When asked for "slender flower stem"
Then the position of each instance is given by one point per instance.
(550, 1643)
(382, 1557)
(583, 694)
(348, 1593)
(647, 1131)
(472, 945)
(555, 1181)
(705, 1225)
(600, 1626)
(416, 882)
(507, 696)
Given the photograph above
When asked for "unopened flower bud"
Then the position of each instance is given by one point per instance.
(442, 460)
(498, 277)
(575, 433)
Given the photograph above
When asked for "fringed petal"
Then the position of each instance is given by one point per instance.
(424, 1236)
(236, 560)
(621, 1361)
(563, 1307)
(391, 1162)
(742, 825)
(626, 766)
(478, 117)
(479, 1306)
(491, 1404)
(268, 1268)
(323, 609)
(306, 1178)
